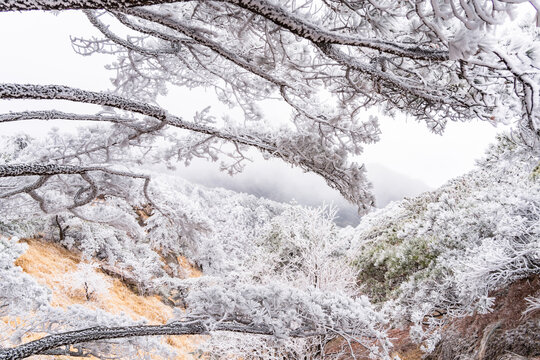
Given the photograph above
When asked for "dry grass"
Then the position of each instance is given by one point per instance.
(191, 271)
(50, 263)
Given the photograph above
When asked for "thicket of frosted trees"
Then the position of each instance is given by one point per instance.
(263, 272)
(275, 269)
(286, 270)
(446, 251)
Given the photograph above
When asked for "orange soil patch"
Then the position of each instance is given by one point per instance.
(49, 264)
(191, 270)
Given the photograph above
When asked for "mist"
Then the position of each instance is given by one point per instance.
(274, 180)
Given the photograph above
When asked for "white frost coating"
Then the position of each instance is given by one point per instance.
(328, 158)
(19, 292)
(433, 61)
(428, 59)
(88, 282)
(425, 35)
(446, 251)
(287, 310)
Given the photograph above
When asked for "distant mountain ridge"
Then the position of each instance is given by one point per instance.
(276, 181)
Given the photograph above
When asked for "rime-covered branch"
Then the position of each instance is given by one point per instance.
(300, 150)
(430, 61)
(327, 61)
(59, 115)
(59, 92)
(195, 327)
(195, 34)
(85, 194)
(319, 35)
(22, 5)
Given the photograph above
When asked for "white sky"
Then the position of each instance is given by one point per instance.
(35, 48)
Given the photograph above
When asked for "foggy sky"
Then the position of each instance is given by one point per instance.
(407, 160)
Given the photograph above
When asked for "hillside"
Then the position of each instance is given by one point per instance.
(450, 273)
(459, 266)
(140, 265)
(54, 267)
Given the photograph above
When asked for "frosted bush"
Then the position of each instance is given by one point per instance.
(87, 282)
(447, 250)
(19, 292)
(287, 310)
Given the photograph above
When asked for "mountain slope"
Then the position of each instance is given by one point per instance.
(446, 254)
(54, 267)
(430, 263)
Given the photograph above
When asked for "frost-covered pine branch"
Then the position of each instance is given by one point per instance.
(301, 149)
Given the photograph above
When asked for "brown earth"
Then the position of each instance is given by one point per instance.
(403, 347)
(505, 333)
(49, 264)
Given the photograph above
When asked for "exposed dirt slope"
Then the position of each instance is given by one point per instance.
(502, 334)
(50, 263)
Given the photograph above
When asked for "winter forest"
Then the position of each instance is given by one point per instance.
(108, 252)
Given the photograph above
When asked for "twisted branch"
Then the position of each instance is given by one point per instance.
(193, 327)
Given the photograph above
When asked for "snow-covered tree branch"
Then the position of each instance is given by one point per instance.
(298, 150)
(21, 5)
(247, 309)
(437, 62)
(329, 64)
(194, 327)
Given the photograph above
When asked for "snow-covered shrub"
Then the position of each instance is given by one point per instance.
(86, 282)
(301, 246)
(114, 245)
(252, 347)
(21, 227)
(178, 224)
(447, 250)
(19, 292)
(286, 310)
(383, 257)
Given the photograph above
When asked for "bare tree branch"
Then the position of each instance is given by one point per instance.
(194, 327)
(21, 5)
